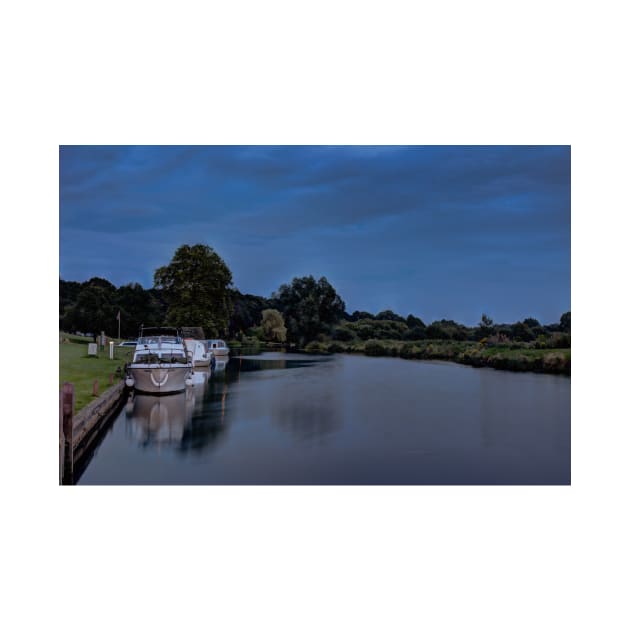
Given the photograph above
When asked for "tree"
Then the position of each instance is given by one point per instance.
(68, 294)
(309, 306)
(414, 322)
(246, 313)
(389, 315)
(530, 322)
(357, 315)
(565, 322)
(195, 286)
(94, 310)
(273, 325)
(521, 332)
(138, 307)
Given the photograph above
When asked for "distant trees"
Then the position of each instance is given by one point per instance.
(246, 312)
(195, 289)
(485, 328)
(272, 325)
(195, 286)
(138, 307)
(310, 307)
(94, 309)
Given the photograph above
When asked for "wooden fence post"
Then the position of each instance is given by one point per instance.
(67, 411)
(95, 388)
(62, 438)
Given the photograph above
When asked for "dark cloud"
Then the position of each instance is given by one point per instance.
(430, 229)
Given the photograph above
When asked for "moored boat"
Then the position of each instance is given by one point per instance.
(218, 347)
(201, 356)
(161, 364)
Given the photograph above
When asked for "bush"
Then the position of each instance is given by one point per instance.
(315, 347)
(342, 333)
(336, 347)
(375, 349)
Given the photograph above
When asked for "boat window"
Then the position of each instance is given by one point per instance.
(148, 357)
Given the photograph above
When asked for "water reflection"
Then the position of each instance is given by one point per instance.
(221, 365)
(209, 423)
(159, 420)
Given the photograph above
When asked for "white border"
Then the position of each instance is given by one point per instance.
(342, 73)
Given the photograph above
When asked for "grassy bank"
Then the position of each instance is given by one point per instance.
(76, 367)
(518, 357)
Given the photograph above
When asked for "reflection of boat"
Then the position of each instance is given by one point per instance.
(221, 364)
(160, 364)
(218, 347)
(201, 357)
(158, 419)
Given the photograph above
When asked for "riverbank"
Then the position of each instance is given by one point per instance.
(515, 357)
(76, 367)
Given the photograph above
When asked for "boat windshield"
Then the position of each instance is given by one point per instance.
(159, 339)
(160, 358)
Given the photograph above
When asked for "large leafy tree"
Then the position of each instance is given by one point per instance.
(195, 286)
(309, 306)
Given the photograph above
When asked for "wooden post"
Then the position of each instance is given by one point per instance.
(111, 378)
(95, 388)
(67, 411)
(62, 439)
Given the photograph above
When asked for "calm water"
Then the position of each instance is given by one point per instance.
(294, 419)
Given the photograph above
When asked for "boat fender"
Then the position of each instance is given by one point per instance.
(189, 381)
(129, 382)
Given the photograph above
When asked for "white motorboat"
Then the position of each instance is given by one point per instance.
(218, 347)
(161, 364)
(201, 357)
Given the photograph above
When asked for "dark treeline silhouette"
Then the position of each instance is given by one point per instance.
(197, 284)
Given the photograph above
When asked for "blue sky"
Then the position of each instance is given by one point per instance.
(441, 232)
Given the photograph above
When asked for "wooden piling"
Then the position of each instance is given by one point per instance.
(111, 379)
(67, 412)
(95, 388)
(62, 439)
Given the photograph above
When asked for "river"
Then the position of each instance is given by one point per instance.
(277, 418)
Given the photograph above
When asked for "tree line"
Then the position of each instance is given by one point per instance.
(195, 289)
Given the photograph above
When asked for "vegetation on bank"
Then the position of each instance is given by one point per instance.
(75, 366)
(518, 357)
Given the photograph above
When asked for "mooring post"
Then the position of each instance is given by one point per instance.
(111, 378)
(67, 410)
(95, 388)
(62, 439)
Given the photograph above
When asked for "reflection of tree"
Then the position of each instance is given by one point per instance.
(208, 425)
(307, 419)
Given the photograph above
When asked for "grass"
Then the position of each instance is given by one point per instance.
(76, 367)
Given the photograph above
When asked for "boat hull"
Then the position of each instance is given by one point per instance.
(160, 380)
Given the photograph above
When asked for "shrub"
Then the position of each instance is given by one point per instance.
(336, 347)
(375, 349)
(342, 333)
(314, 347)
